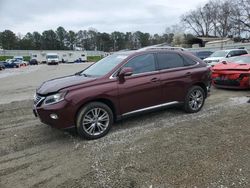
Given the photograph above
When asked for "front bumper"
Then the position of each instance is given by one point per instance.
(231, 80)
(231, 84)
(53, 63)
(64, 111)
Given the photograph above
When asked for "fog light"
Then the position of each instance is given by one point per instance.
(53, 116)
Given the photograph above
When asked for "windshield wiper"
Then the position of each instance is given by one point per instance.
(78, 73)
(81, 74)
(86, 75)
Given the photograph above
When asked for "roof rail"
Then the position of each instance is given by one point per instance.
(161, 47)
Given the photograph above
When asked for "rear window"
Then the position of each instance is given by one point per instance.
(237, 52)
(242, 52)
(204, 53)
(189, 61)
(169, 60)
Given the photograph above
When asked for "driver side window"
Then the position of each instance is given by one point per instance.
(142, 63)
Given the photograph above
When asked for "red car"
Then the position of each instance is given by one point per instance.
(120, 85)
(232, 73)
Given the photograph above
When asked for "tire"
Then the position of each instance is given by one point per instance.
(89, 123)
(194, 100)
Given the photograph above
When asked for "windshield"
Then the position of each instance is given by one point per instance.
(239, 59)
(204, 53)
(221, 53)
(10, 60)
(52, 57)
(105, 65)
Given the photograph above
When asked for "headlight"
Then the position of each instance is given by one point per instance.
(52, 99)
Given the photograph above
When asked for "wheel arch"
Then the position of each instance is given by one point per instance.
(203, 86)
(108, 102)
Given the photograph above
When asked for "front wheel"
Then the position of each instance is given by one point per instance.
(94, 120)
(195, 99)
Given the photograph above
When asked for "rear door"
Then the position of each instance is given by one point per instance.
(142, 89)
(175, 75)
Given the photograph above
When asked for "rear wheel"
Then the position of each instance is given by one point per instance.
(94, 120)
(195, 99)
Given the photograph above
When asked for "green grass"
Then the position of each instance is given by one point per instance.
(94, 58)
(3, 58)
(26, 58)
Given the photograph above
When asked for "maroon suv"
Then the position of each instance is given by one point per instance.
(122, 84)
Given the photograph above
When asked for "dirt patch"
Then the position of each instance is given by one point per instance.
(168, 148)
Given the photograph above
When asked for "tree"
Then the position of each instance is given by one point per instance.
(199, 20)
(27, 42)
(192, 20)
(144, 39)
(214, 18)
(62, 37)
(178, 39)
(8, 40)
(224, 24)
(92, 38)
(37, 39)
(82, 39)
(71, 39)
(128, 40)
(136, 40)
(104, 42)
(241, 16)
(49, 40)
(118, 39)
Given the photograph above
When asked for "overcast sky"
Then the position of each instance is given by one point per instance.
(153, 16)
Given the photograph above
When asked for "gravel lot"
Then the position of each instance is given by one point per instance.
(168, 148)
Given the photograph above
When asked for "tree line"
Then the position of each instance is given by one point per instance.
(91, 39)
(219, 18)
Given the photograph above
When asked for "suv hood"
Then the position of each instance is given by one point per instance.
(54, 85)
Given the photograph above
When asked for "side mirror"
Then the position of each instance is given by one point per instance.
(126, 71)
(229, 55)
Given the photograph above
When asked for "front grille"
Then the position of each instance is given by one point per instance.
(228, 82)
(38, 100)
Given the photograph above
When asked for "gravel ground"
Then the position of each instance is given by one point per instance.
(20, 84)
(167, 148)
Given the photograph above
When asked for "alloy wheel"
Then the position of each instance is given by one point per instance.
(95, 121)
(196, 99)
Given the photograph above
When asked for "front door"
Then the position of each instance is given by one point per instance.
(143, 88)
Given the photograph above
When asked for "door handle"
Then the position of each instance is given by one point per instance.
(154, 79)
(188, 74)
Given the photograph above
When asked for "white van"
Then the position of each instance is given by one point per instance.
(52, 59)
